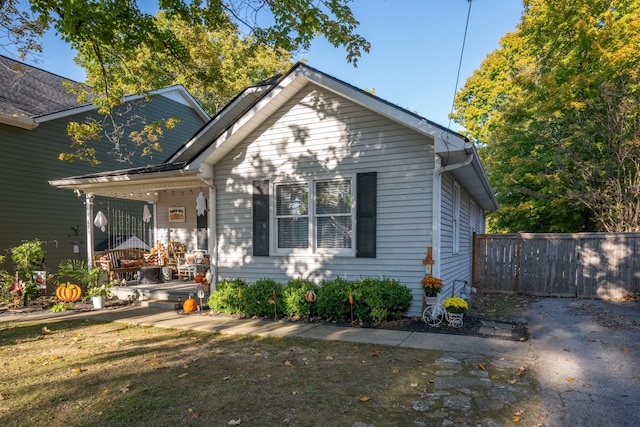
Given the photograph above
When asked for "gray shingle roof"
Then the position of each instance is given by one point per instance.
(29, 92)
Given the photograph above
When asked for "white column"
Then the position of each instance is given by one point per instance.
(89, 220)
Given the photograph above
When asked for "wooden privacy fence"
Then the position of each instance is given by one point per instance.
(582, 265)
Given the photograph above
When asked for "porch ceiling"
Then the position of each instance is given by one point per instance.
(133, 187)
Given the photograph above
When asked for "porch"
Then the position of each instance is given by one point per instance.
(170, 294)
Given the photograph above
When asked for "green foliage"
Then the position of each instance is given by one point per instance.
(380, 299)
(79, 271)
(333, 299)
(214, 49)
(258, 299)
(228, 297)
(375, 300)
(62, 306)
(295, 301)
(555, 111)
(6, 280)
(27, 258)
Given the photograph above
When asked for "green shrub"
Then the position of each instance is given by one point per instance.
(228, 297)
(258, 299)
(333, 300)
(295, 301)
(380, 299)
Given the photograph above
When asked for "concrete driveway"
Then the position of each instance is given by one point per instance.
(587, 361)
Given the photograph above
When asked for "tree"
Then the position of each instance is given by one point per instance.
(557, 109)
(112, 35)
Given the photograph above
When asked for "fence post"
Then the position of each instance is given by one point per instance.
(516, 276)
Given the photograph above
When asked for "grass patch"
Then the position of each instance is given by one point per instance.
(87, 373)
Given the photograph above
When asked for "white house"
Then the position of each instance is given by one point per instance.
(306, 176)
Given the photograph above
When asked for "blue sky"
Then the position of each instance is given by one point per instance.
(416, 46)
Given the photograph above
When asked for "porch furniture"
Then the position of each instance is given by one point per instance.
(121, 263)
(150, 275)
(192, 264)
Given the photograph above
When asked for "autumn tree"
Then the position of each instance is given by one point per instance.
(556, 112)
(212, 47)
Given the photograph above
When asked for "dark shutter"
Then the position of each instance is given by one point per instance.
(260, 218)
(366, 215)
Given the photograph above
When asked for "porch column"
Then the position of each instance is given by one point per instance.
(89, 219)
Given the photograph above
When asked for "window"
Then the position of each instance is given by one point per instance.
(456, 218)
(292, 219)
(330, 226)
(318, 216)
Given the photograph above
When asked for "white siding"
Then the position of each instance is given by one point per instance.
(320, 135)
(455, 266)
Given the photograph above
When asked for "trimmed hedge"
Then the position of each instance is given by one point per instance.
(374, 300)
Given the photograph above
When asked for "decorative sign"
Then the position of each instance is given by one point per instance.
(177, 214)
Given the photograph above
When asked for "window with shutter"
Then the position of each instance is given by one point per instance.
(318, 216)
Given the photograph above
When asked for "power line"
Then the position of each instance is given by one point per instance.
(464, 41)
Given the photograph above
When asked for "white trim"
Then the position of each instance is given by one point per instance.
(312, 249)
(167, 92)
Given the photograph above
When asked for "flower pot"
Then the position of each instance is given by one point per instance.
(98, 303)
(430, 300)
(455, 319)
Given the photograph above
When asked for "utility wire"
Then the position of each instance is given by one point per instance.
(464, 41)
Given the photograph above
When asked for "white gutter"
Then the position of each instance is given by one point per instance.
(437, 204)
(20, 122)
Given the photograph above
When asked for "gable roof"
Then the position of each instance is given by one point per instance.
(250, 108)
(28, 92)
(30, 95)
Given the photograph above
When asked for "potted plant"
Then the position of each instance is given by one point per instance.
(432, 287)
(78, 270)
(98, 294)
(456, 308)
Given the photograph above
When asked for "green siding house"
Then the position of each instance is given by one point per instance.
(35, 109)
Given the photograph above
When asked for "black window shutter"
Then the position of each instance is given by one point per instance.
(366, 215)
(260, 218)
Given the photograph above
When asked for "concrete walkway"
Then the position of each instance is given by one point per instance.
(163, 318)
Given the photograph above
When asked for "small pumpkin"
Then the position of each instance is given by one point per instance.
(201, 278)
(68, 292)
(190, 305)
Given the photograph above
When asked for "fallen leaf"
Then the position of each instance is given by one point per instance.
(522, 370)
(287, 363)
(512, 381)
(480, 366)
(124, 390)
(586, 385)
(183, 375)
(364, 399)
(625, 348)
(395, 370)
(516, 419)
(105, 392)
(328, 358)
(569, 379)
(46, 331)
(234, 422)
(77, 370)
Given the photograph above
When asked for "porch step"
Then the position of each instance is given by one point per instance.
(164, 297)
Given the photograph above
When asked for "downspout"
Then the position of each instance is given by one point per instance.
(213, 231)
(437, 203)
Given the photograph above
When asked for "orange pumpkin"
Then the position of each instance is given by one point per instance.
(68, 292)
(190, 305)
